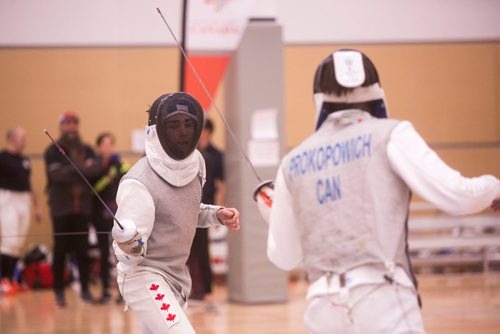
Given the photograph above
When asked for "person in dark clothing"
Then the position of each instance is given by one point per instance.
(213, 193)
(16, 195)
(70, 202)
(113, 167)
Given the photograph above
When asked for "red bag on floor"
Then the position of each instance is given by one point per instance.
(38, 275)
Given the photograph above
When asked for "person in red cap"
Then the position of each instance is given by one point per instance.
(69, 117)
(70, 202)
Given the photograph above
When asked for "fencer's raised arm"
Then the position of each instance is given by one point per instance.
(208, 215)
(216, 215)
(283, 243)
(134, 204)
(229, 217)
(428, 176)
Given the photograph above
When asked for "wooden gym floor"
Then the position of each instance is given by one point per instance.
(453, 304)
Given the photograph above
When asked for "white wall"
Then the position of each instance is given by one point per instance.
(136, 22)
(87, 22)
(381, 21)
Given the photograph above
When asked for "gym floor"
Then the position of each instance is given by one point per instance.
(452, 304)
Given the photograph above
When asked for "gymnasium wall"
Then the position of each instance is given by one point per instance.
(450, 91)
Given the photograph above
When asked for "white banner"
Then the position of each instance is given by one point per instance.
(75, 23)
(216, 25)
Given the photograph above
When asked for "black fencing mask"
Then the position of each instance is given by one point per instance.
(179, 121)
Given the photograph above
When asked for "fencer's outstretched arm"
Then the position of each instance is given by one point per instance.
(135, 204)
(263, 196)
(283, 243)
(216, 215)
(428, 176)
(229, 217)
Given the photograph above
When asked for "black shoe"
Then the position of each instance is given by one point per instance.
(87, 297)
(60, 300)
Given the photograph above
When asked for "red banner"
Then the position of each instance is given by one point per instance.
(213, 32)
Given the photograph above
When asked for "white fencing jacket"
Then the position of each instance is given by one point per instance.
(415, 163)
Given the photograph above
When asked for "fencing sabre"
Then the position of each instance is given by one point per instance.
(210, 97)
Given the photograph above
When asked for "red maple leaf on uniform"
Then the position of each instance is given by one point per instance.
(165, 307)
(159, 296)
(154, 287)
(171, 317)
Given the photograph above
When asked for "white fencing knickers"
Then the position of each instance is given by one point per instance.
(14, 220)
(152, 298)
(358, 303)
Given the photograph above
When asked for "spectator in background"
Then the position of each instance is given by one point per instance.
(16, 193)
(213, 193)
(112, 169)
(70, 202)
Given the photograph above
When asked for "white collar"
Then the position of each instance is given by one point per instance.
(359, 94)
(176, 172)
(347, 117)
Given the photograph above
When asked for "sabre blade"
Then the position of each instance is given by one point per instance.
(210, 97)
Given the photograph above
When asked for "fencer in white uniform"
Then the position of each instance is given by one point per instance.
(340, 200)
(159, 208)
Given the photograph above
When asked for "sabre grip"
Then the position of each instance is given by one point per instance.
(128, 239)
(264, 192)
(263, 196)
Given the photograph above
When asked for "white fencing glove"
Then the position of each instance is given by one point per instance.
(128, 239)
(263, 195)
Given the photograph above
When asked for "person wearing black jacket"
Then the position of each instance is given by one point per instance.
(70, 203)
